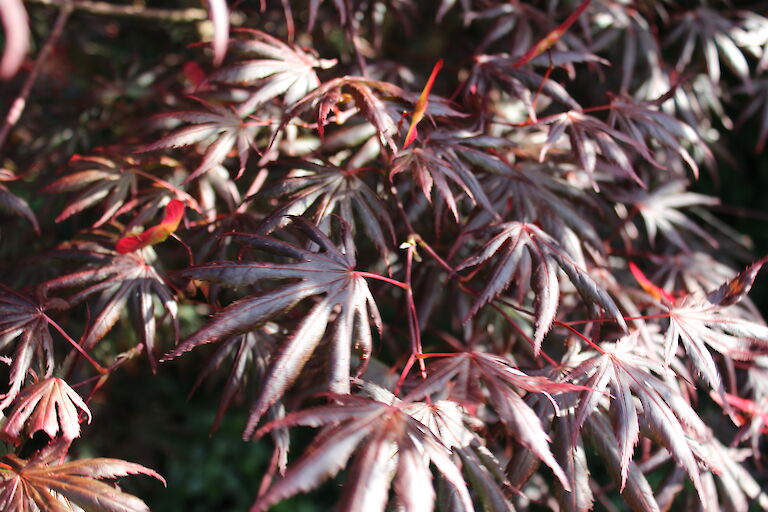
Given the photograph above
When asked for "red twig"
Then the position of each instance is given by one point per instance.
(76, 345)
(18, 105)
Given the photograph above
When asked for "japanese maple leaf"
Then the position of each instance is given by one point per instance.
(644, 122)
(122, 281)
(590, 137)
(446, 160)
(736, 486)
(391, 445)
(328, 272)
(518, 192)
(521, 246)
(98, 180)
(660, 210)
(219, 128)
(502, 380)
(25, 319)
(248, 356)
(324, 191)
(718, 37)
(447, 420)
(626, 371)
(9, 202)
(174, 212)
(45, 483)
(712, 321)
(493, 72)
(249, 353)
(283, 69)
(49, 405)
(115, 184)
(365, 100)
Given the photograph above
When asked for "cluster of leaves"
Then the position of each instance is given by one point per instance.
(455, 289)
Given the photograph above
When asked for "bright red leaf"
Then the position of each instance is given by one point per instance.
(421, 105)
(156, 234)
(653, 290)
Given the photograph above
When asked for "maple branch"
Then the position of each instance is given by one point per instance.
(424, 245)
(350, 33)
(191, 201)
(20, 103)
(406, 370)
(521, 332)
(568, 325)
(413, 319)
(102, 378)
(187, 247)
(76, 345)
(188, 15)
(371, 275)
(589, 341)
(541, 85)
(427, 355)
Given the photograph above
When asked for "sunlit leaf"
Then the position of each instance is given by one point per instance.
(45, 482)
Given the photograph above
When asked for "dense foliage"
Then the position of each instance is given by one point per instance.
(459, 239)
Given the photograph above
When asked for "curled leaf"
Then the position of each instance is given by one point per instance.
(156, 234)
(421, 105)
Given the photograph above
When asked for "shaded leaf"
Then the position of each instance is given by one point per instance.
(17, 206)
(635, 487)
(120, 281)
(523, 245)
(439, 164)
(324, 192)
(98, 180)
(590, 137)
(24, 319)
(641, 122)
